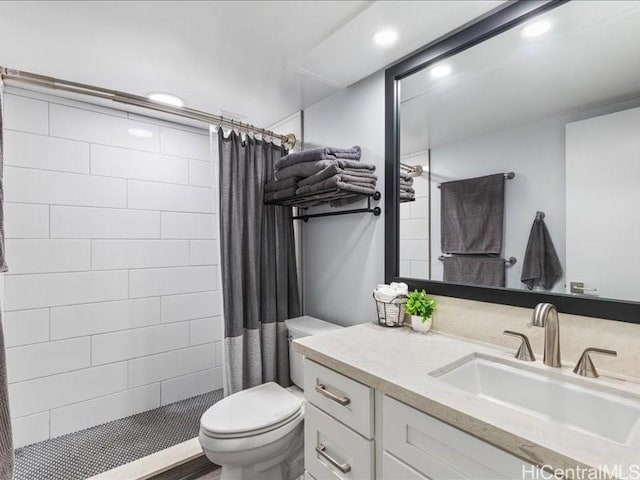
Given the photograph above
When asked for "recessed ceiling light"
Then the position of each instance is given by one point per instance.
(385, 37)
(536, 29)
(440, 71)
(140, 132)
(166, 98)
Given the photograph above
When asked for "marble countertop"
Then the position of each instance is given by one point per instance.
(397, 362)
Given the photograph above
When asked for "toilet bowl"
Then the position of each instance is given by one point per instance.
(258, 433)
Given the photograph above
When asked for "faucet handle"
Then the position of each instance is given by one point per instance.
(525, 352)
(585, 366)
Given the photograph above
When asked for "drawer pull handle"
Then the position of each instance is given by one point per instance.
(321, 389)
(343, 467)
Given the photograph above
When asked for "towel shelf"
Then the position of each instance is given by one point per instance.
(509, 262)
(302, 201)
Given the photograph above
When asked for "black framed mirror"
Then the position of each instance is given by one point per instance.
(541, 100)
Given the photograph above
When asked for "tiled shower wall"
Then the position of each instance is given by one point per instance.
(112, 302)
(414, 223)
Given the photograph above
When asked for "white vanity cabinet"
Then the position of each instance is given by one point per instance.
(436, 451)
(338, 425)
(344, 434)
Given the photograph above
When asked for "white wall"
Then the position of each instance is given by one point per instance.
(293, 124)
(111, 299)
(343, 256)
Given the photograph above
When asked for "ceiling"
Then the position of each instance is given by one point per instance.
(256, 60)
(589, 59)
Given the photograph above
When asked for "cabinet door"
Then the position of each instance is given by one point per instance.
(394, 469)
(333, 451)
(442, 452)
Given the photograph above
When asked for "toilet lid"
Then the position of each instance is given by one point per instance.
(255, 409)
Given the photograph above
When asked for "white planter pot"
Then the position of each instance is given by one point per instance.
(419, 326)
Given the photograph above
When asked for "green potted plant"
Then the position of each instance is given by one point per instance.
(421, 307)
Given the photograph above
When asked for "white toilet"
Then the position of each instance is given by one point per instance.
(258, 433)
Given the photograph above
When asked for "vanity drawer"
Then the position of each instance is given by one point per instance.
(341, 397)
(392, 468)
(442, 452)
(333, 451)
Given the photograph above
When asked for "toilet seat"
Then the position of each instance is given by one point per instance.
(251, 413)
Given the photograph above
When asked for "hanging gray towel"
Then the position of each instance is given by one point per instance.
(472, 215)
(475, 270)
(541, 264)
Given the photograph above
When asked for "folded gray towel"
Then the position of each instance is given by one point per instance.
(317, 154)
(541, 265)
(275, 185)
(335, 183)
(406, 177)
(323, 174)
(475, 270)
(308, 169)
(472, 215)
(304, 170)
(332, 170)
(362, 172)
(407, 197)
(408, 182)
(280, 194)
(352, 153)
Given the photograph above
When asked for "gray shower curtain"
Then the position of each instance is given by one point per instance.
(6, 443)
(258, 262)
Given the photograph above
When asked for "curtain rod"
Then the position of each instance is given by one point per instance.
(136, 100)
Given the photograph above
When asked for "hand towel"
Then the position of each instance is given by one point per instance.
(472, 215)
(541, 265)
(475, 270)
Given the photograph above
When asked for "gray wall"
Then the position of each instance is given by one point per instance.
(343, 257)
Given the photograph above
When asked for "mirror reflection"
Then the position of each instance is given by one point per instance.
(520, 158)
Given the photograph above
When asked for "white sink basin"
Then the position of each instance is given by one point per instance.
(553, 396)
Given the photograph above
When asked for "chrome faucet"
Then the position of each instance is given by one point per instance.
(546, 315)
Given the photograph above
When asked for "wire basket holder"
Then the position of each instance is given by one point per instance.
(391, 314)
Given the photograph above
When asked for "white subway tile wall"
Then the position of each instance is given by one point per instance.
(414, 224)
(112, 304)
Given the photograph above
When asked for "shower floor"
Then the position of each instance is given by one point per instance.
(80, 455)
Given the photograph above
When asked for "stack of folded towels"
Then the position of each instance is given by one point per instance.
(387, 293)
(321, 174)
(407, 193)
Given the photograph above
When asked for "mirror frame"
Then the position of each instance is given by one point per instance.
(483, 28)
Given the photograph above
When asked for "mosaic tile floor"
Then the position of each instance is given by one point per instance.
(86, 453)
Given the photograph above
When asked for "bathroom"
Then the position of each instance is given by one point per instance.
(219, 219)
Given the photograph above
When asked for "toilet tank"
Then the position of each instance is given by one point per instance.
(302, 327)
